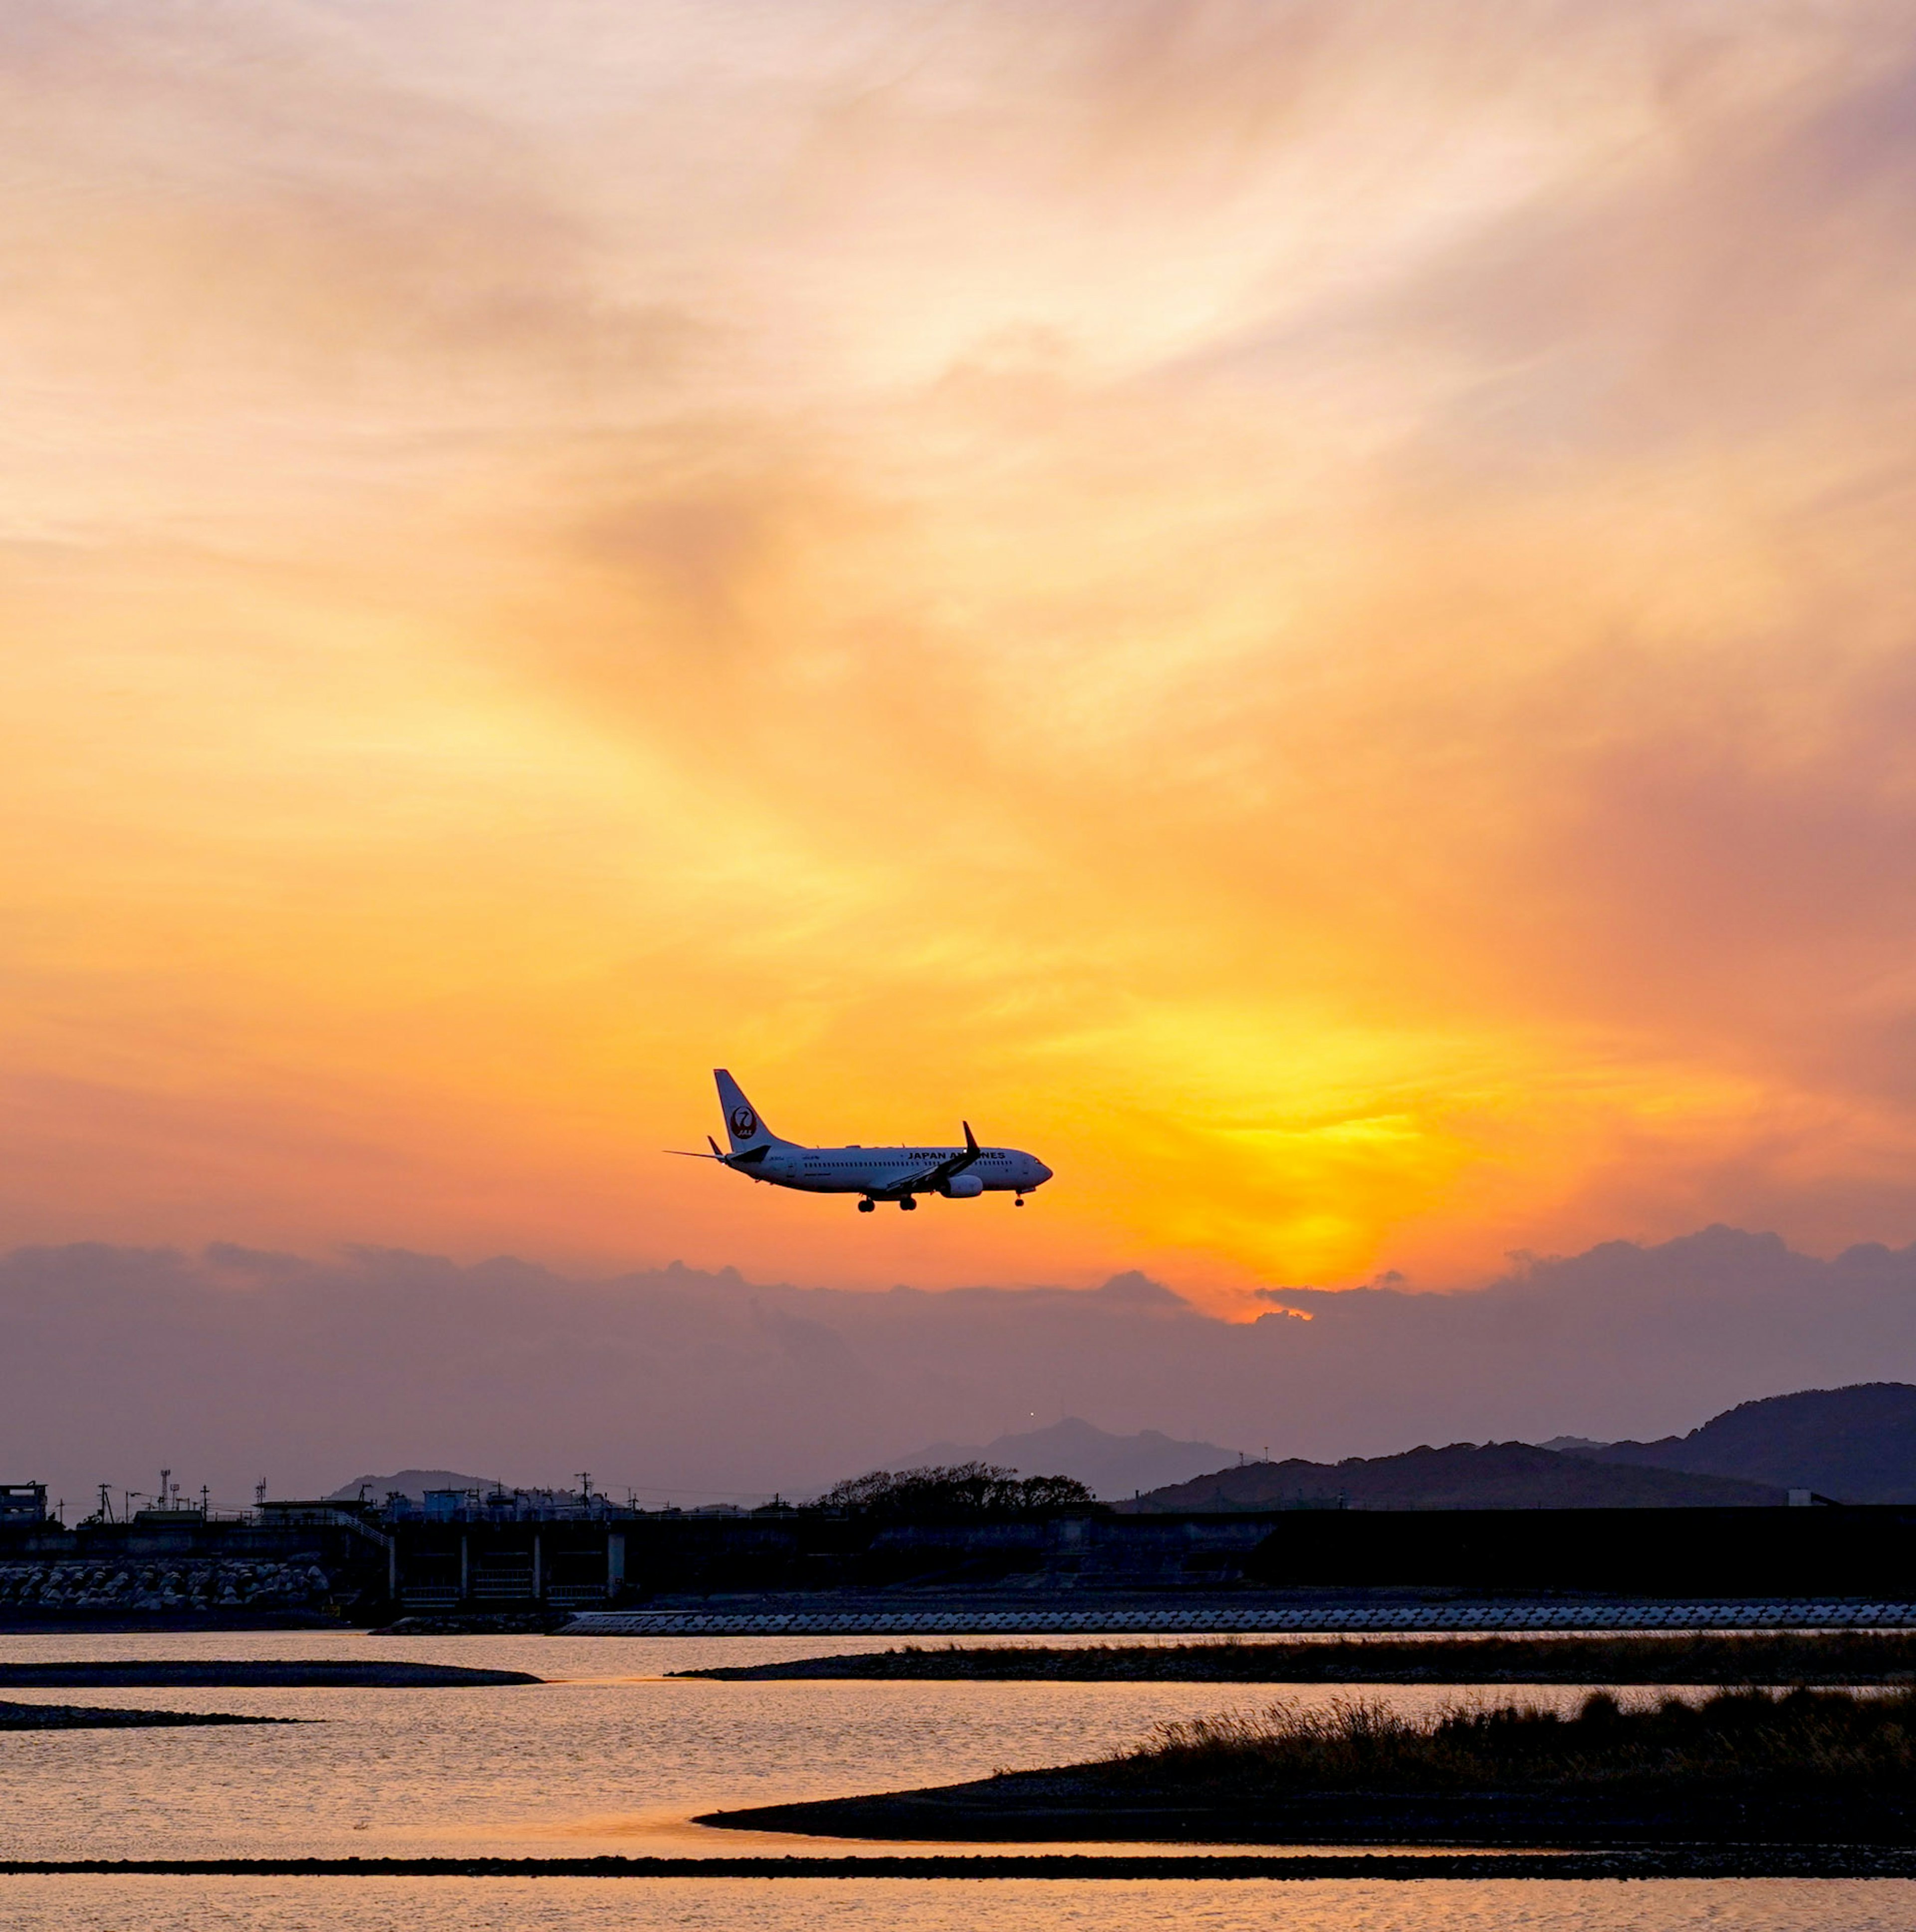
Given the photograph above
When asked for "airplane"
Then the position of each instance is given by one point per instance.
(899, 1174)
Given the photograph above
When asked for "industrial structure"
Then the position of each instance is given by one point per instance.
(475, 1554)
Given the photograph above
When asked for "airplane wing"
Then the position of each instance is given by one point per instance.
(930, 1176)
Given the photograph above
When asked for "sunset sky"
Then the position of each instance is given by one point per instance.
(1307, 609)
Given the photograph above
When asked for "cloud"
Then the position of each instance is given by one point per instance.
(1305, 607)
(693, 1384)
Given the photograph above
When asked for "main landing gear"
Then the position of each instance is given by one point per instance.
(866, 1206)
(908, 1202)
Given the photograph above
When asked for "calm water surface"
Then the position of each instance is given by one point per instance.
(613, 1757)
(909, 1905)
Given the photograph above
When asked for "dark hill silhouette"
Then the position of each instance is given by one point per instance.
(1498, 1475)
(1856, 1445)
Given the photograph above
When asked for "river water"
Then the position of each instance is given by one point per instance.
(612, 1755)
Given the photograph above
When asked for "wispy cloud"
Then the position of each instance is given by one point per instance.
(1306, 606)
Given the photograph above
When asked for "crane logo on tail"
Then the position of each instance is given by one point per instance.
(744, 1123)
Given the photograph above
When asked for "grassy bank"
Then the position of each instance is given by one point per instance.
(1820, 1656)
(1806, 1767)
(1743, 1742)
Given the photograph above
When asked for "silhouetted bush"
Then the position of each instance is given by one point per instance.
(960, 1489)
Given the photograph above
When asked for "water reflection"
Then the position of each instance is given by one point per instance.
(616, 1757)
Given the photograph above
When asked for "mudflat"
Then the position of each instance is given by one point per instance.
(1687, 1862)
(1810, 1768)
(90, 1717)
(1824, 1657)
(1038, 1808)
(253, 1674)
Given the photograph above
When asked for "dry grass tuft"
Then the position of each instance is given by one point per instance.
(1749, 1740)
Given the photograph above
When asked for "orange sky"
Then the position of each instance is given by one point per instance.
(1305, 608)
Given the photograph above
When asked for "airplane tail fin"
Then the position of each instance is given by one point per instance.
(742, 1120)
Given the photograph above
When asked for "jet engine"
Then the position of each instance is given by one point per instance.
(963, 1187)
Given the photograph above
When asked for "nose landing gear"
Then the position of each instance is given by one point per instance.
(1018, 1201)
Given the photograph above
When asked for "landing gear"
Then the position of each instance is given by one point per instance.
(866, 1206)
(1019, 1202)
(906, 1203)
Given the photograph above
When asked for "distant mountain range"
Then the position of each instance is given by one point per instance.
(1109, 1466)
(1855, 1445)
(1497, 1475)
(413, 1482)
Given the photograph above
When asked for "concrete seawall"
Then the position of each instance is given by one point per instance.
(1244, 1571)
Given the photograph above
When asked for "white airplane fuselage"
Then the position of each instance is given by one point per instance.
(863, 1170)
(899, 1173)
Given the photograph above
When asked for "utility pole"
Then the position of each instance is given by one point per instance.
(105, 1504)
(260, 1493)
